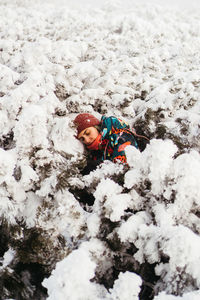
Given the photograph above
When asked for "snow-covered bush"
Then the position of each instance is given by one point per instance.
(140, 239)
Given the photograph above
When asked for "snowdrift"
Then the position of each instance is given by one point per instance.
(140, 239)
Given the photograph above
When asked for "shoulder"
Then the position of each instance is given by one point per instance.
(106, 120)
(113, 121)
(108, 123)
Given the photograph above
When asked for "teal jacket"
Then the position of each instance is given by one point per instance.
(116, 135)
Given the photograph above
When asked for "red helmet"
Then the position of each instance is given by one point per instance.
(85, 120)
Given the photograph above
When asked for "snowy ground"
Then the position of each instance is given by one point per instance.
(140, 61)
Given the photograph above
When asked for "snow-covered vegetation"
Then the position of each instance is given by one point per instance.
(141, 237)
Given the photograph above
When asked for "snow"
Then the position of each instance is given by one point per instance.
(127, 286)
(78, 268)
(7, 258)
(188, 296)
(136, 60)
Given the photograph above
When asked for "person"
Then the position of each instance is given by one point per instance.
(106, 139)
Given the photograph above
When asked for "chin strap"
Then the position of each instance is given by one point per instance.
(95, 144)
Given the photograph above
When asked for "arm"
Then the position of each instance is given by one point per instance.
(119, 153)
(121, 142)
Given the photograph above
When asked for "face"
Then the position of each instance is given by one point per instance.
(88, 135)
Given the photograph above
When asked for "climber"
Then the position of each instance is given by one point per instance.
(105, 139)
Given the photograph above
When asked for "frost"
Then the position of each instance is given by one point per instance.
(127, 286)
(7, 164)
(7, 258)
(187, 296)
(71, 278)
(129, 230)
(31, 130)
(137, 61)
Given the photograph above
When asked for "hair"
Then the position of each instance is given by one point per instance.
(98, 127)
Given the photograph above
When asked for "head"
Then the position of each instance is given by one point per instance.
(87, 128)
